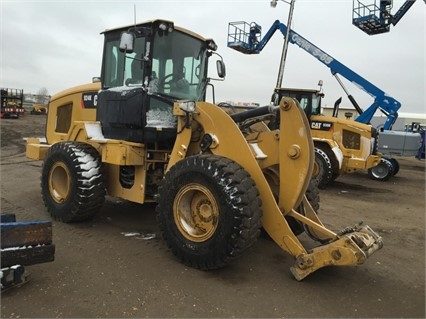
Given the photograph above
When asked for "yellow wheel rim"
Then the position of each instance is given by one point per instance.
(59, 182)
(196, 212)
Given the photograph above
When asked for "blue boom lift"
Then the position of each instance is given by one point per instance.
(247, 39)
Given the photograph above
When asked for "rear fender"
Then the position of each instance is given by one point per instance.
(334, 147)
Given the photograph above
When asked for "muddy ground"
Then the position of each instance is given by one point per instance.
(100, 272)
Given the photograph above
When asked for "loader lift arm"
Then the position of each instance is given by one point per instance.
(247, 39)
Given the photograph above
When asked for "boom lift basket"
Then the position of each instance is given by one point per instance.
(371, 18)
(244, 37)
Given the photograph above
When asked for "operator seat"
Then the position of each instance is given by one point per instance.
(136, 69)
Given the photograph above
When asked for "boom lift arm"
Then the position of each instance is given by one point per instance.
(402, 11)
(247, 39)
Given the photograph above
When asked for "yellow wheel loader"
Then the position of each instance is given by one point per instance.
(39, 109)
(341, 146)
(145, 133)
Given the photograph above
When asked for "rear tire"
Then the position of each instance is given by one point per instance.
(323, 170)
(395, 165)
(381, 172)
(71, 182)
(209, 211)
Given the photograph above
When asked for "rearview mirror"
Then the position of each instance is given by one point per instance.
(127, 41)
(220, 66)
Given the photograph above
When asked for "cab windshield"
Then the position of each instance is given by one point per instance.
(310, 102)
(172, 64)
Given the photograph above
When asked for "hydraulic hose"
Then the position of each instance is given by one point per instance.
(259, 111)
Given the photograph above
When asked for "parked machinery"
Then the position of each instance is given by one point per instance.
(145, 133)
(247, 38)
(39, 109)
(341, 146)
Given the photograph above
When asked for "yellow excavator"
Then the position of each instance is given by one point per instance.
(145, 133)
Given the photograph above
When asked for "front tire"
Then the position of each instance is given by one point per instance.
(313, 197)
(209, 211)
(71, 182)
(323, 170)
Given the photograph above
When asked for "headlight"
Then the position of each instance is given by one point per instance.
(211, 45)
(187, 106)
(164, 26)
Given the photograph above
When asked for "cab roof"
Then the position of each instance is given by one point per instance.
(150, 22)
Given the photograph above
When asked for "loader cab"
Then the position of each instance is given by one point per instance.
(145, 68)
(309, 100)
(160, 57)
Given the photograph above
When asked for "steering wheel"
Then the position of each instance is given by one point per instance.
(165, 82)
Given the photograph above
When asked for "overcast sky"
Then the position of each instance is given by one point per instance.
(57, 45)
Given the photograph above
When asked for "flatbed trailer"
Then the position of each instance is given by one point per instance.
(12, 103)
